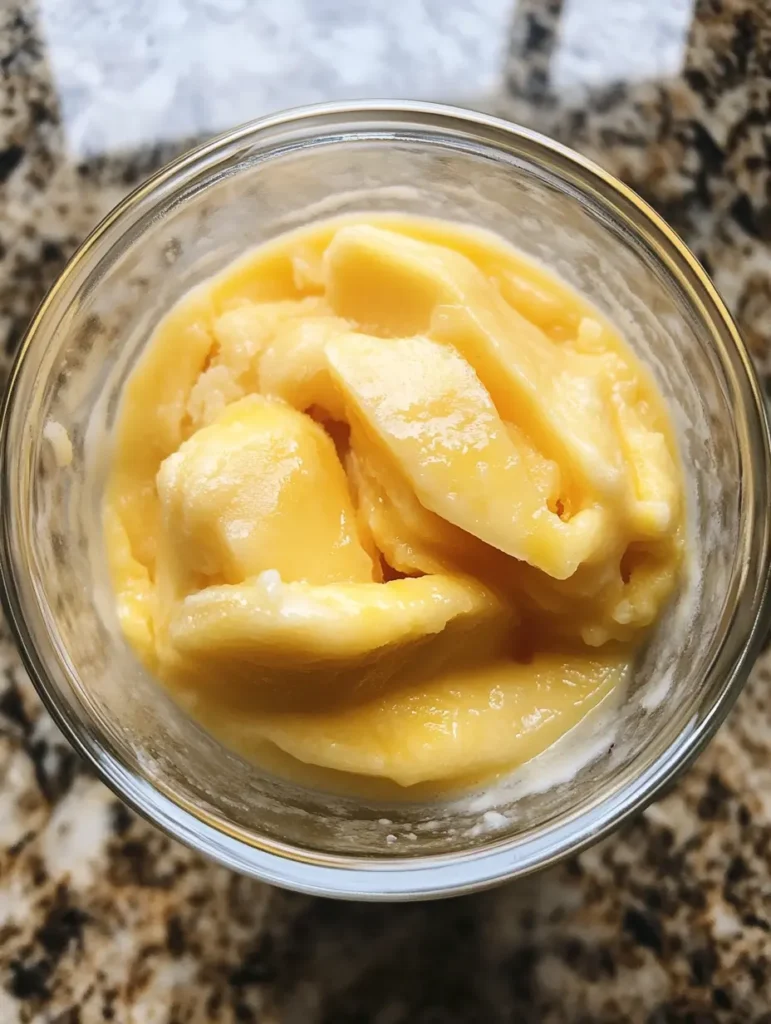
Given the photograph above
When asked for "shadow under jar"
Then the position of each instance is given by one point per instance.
(188, 222)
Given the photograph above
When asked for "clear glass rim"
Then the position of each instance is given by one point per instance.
(428, 876)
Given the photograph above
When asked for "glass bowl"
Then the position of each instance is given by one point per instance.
(189, 221)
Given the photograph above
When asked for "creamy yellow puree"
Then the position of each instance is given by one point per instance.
(389, 496)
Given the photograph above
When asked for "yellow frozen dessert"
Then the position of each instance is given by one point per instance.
(391, 498)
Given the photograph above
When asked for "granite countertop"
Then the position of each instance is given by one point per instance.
(104, 919)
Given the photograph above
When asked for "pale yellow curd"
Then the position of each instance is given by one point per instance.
(393, 499)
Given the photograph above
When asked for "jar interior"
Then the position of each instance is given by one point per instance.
(184, 232)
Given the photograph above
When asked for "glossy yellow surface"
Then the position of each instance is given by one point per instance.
(392, 498)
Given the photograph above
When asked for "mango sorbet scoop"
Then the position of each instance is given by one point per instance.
(393, 499)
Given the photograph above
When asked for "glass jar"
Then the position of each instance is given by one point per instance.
(188, 222)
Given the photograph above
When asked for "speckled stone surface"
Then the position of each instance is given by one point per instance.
(104, 919)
